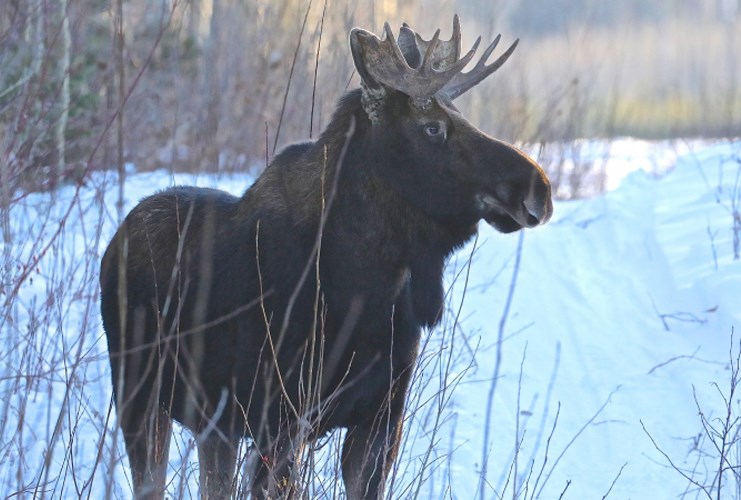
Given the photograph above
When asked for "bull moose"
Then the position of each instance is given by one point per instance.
(298, 308)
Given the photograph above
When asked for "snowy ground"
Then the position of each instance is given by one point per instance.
(621, 307)
(612, 289)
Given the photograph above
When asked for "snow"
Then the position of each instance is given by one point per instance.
(593, 287)
(620, 315)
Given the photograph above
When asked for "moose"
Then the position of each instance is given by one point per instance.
(298, 308)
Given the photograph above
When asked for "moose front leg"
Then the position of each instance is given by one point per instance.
(217, 457)
(370, 448)
(274, 470)
(147, 444)
(368, 454)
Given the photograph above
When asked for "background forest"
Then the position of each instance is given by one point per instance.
(219, 84)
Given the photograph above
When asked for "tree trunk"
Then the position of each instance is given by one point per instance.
(64, 97)
(209, 128)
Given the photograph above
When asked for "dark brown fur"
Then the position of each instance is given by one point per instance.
(297, 308)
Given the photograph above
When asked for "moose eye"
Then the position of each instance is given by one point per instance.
(435, 130)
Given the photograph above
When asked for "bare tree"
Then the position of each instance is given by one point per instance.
(209, 127)
(63, 70)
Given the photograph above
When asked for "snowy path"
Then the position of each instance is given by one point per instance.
(595, 281)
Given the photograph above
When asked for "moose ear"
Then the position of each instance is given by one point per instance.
(362, 43)
(364, 48)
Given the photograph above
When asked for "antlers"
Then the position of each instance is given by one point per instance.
(385, 63)
(398, 65)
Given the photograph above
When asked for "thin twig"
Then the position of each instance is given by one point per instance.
(290, 76)
(568, 483)
(576, 436)
(614, 481)
(497, 367)
(316, 72)
(675, 358)
(673, 465)
(547, 449)
(518, 439)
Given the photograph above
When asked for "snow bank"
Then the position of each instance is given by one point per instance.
(633, 302)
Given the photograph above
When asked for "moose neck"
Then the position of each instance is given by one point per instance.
(362, 185)
(377, 233)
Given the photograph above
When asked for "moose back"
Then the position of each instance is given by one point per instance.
(297, 308)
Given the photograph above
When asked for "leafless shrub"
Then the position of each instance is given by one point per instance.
(718, 442)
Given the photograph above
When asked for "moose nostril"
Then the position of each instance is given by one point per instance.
(532, 213)
(537, 211)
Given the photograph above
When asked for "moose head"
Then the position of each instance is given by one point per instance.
(441, 162)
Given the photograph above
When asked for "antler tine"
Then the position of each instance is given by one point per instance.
(463, 82)
(428, 59)
(461, 63)
(408, 45)
(488, 52)
(383, 58)
(447, 52)
(456, 38)
(390, 42)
